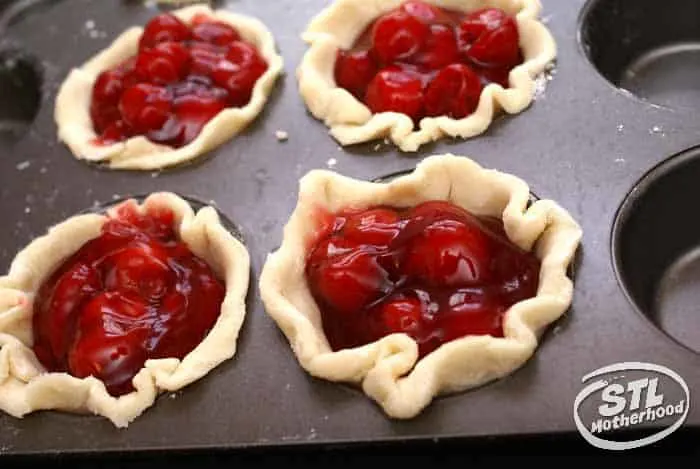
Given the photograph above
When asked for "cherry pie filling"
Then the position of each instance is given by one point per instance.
(182, 76)
(435, 272)
(424, 61)
(134, 293)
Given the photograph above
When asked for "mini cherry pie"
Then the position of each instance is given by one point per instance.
(106, 311)
(434, 282)
(418, 70)
(168, 92)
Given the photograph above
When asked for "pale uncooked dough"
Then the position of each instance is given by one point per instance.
(72, 111)
(26, 386)
(389, 370)
(351, 122)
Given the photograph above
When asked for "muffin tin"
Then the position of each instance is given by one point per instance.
(611, 137)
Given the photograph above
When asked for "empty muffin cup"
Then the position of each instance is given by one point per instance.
(650, 49)
(20, 88)
(656, 247)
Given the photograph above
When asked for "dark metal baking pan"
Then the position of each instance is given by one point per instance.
(582, 143)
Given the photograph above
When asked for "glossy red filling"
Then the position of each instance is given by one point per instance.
(133, 293)
(435, 272)
(182, 76)
(424, 61)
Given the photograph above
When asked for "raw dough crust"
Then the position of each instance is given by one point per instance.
(72, 112)
(25, 386)
(388, 369)
(351, 122)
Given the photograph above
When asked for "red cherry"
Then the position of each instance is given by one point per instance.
(186, 330)
(454, 92)
(349, 281)
(141, 269)
(172, 133)
(163, 342)
(111, 343)
(423, 215)
(103, 116)
(193, 85)
(471, 312)
(106, 92)
(239, 72)
(131, 225)
(395, 90)
(433, 210)
(214, 32)
(145, 107)
(498, 48)
(397, 36)
(115, 132)
(490, 38)
(196, 110)
(206, 285)
(477, 23)
(354, 71)
(402, 315)
(518, 271)
(112, 312)
(205, 57)
(378, 227)
(114, 361)
(245, 55)
(440, 49)
(165, 63)
(449, 253)
(159, 224)
(127, 66)
(55, 317)
(498, 75)
(127, 71)
(108, 88)
(329, 248)
(116, 232)
(174, 304)
(165, 27)
(428, 14)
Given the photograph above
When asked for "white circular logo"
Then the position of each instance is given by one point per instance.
(627, 396)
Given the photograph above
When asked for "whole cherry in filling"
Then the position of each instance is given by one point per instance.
(435, 272)
(424, 61)
(133, 293)
(182, 77)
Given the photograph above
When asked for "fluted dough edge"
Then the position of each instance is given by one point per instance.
(388, 370)
(25, 385)
(351, 122)
(72, 115)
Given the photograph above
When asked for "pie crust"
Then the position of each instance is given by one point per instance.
(26, 386)
(72, 113)
(388, 370)
(351, 122)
